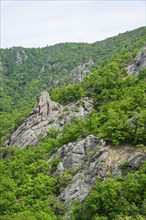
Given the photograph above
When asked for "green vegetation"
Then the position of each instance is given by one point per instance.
(28, 188)
(24, 72)
(65, 95)
(118, 199)
(119, 99)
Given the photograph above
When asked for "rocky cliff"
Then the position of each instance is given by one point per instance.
(80, 72)
(45, 115)
(85, 159)
(138, 63)
(89, 158)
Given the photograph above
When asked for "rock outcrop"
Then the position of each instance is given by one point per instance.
(19, 55)
(35, 124)
(90, 158)
(81, 71)
(87, 158)
(138, 63)
(45, 115)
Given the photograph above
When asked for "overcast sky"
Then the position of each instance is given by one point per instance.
(41, 23)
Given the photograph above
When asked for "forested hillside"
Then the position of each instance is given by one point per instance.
(24, 73)
(79, 154)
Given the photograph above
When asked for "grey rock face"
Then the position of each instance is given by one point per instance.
(1, 66)
(136, 160)
(84, 179)
(90, 158)
(73, 154)
(36, 123)
(138, 63)
(45, 115)
(81, 71)
(18, 58)
(88, 152)
(20, 55)
(60, 169)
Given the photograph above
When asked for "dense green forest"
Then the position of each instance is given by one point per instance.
(29, 190)
(119, 103)
(24, 73)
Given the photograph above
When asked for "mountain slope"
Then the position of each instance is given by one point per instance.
(47, 115)
(24, 73)
(123, 121)
(80, 153)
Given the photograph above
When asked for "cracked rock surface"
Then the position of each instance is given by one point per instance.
(45, 115)
(90, 158)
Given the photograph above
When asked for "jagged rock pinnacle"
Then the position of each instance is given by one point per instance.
(45, 115)
(43, 106)
(35, 124)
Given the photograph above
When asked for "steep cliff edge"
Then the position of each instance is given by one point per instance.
(45, 115)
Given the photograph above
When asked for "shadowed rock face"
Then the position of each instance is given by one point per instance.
(45, 115)
(139, 62)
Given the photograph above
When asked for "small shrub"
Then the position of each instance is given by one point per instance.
(125, 165)
(54, 164)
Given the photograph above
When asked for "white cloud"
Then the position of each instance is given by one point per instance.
(38, 23)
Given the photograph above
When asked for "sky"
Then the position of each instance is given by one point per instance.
(41, 23)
